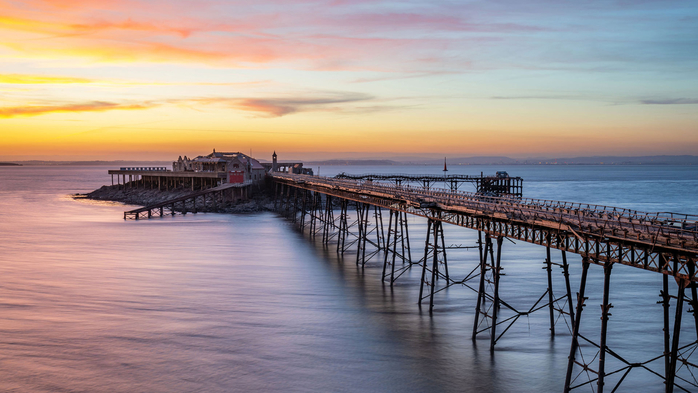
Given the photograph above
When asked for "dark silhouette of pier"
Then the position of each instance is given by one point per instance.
(209, 199)
(501, 185)
(349, 212)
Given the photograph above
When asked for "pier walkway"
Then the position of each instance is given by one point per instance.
(349, 211)
(662, 242)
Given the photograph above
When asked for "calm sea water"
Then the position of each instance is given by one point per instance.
(220, 303)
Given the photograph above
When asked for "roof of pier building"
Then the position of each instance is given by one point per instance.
(216, 157)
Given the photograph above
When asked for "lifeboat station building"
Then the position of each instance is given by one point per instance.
(202, 172)
(229, 167)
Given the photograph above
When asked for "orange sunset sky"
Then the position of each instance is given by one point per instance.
(152, 80)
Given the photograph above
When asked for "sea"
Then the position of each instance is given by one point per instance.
(247, 303)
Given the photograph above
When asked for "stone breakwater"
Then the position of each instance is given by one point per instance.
(259, 202)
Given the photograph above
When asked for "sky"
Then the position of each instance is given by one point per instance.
(155, 79)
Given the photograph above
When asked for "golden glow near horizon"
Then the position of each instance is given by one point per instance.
(153, 80)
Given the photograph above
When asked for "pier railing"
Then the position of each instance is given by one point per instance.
(663, 227)
(144, 168)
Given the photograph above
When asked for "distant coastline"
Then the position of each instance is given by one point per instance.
(499, 160)
(402, 160)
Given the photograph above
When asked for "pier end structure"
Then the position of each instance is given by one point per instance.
(203, 172)
(200, 173)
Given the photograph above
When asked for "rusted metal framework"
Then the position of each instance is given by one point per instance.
(665, 243)
(208, 200)
(484, 185)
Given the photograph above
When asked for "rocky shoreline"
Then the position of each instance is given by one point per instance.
(259, 202)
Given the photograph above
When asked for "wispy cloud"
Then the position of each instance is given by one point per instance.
(389, 77)
(92, 106)
(670, 101)
(536, 97)
(24, 79)
(276, 107)
(263, 106)
(32, 79)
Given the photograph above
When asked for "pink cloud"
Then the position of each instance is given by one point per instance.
(324, 35)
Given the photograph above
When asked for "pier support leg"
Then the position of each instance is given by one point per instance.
(671, 372)
(311, 213)
(566, 273)
(304, 208)
(425, 260)
(364, 233)
(380, 234)
(396, 232)
(360, 221)
(443, 248)
(694, 297)
(551, 298)
(435, 263)
(577, 320)
(495, 306)
(385, 254)
(276, 195)
(329, 224)
(406, 240)
(664, 294)
(295, 205)
(342, 234)
(481, 289)
(605, 314)
(396, 235)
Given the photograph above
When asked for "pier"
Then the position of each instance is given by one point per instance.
(501, 185)
(163, 179)
(207, 200)
(350, 213)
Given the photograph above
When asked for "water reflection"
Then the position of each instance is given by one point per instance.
(212, 303)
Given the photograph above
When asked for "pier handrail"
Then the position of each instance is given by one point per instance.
(402, 176)
(543, 203)
(144, 168)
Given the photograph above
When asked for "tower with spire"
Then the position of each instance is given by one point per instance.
(273, 162)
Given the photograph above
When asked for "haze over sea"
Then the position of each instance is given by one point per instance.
(219, 303)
